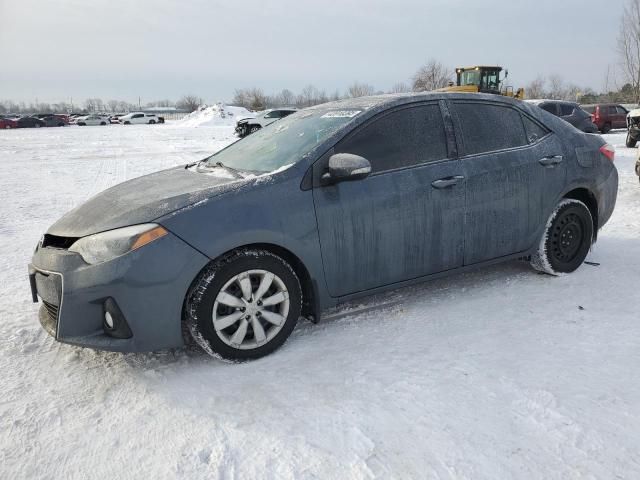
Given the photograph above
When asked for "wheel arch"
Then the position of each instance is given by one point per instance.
(587, 197)
(310, 299)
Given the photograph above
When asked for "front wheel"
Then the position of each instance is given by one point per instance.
(606, 128)
(631, 142)
(566, 240)
(152, 122)
(102, 123)
(244, 305)
(254, 128)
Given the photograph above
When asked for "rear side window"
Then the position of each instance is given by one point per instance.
(487, 128)
(402, 138)
(621, 110)
(549, 107)
(533, 130)
(566, 109)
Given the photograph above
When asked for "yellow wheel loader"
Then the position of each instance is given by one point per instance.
(483, 79)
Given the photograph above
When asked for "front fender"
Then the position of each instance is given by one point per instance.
(270, 210)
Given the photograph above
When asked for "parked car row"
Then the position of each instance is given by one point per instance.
(600, 117)
(61, 120)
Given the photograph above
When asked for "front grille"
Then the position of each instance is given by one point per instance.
(55, 241)
(49, 317)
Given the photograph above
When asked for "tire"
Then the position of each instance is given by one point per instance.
(566, 240)
(37, 125)
(220, 279)
(127, 123)
(82, 124)
(254, 128)
(152, 122)
(606, 128)
(631, 142)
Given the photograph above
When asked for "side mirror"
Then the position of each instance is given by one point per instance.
(345, 166)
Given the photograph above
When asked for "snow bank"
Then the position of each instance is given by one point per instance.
(217, 115)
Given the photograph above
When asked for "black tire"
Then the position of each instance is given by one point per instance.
(631, 142)
(102, 123)
(127, 123)
(254, 128)
(152, 122)
(566, 239)
(37, 125)
(81, 124)
(606, 128)
(197, 315)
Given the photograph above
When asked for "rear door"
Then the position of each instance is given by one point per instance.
(406, 219)
(514, 169)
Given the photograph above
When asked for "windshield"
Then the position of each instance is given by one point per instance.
(470, 77)
(284, 142)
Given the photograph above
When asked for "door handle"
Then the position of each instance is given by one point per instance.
(447, 182)
(551, 160)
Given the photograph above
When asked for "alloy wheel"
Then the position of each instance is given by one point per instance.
(250, 309)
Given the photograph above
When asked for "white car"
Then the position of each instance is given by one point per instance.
(92, 120)
(135, 118)
(246, 126)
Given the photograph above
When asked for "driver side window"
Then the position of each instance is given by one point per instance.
(402, 138)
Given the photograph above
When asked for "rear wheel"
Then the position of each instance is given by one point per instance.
(151, 122)
(631, 142)
(244, 305)
(102, 123)
(127, 123)
(566, 239)
(606, 128)
(37, 125)
(254, 128)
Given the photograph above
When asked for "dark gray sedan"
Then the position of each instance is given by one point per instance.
(332, 203)
(570, 112)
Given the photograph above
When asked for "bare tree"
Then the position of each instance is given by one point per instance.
(536, 88)
(431, 76)
(189, 102)
(400, 87)
(360, 90)
(557, 88)
(286, 97)
(629, 46)
(113, 105)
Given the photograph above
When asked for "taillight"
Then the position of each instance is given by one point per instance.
(608, 151)
(596, 115)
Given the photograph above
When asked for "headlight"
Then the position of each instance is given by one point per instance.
(105, 246)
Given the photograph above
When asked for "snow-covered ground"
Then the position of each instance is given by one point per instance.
(497, 374)
(217, 115)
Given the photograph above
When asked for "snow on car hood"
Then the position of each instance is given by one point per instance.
(141, 200)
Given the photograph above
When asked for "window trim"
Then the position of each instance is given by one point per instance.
(450, 155)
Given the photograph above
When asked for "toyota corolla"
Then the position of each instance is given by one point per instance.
(332, 203)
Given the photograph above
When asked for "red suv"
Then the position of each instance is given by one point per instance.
(607, 115)
(8, 123)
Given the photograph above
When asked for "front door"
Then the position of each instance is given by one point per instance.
(403, 221)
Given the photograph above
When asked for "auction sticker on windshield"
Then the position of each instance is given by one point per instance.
(341, 114)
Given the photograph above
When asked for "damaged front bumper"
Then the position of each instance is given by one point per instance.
(142, 292)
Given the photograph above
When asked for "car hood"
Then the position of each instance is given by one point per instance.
(634, 113)
(141, 200)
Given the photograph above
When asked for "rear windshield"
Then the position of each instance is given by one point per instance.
(284, 142)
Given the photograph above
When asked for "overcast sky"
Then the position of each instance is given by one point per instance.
(53, 50)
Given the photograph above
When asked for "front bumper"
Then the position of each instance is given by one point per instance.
(148, 287)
